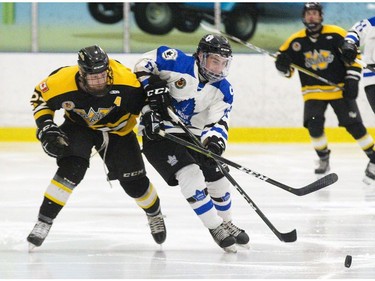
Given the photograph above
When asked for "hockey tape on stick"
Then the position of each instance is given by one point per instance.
(365, 65)
(285, 237)
(260, 50)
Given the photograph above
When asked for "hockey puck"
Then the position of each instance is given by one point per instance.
(348, 261)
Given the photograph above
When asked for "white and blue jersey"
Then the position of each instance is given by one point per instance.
(362, 33)
(204, 107)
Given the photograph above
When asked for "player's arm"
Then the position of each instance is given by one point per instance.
(157, 90)
(48, 133)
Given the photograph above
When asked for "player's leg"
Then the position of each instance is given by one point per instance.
(124, 161)
(178, 167)
(314, 120)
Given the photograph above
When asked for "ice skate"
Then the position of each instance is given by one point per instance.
(224, 239)
(242, 239)
(323, 166)
(157, 226)
(370, 174)
(38, 234)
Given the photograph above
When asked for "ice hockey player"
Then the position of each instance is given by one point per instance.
(102, 99)
(317, 48)
(197, 89)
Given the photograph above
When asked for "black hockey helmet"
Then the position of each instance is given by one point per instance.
(313, 27)
(92, 60)
(216, 44)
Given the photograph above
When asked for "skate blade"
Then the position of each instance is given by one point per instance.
(230, 249)
(244, 246)
(31, 247)
(368, 181)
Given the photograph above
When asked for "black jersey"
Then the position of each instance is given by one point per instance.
(320, 56)
(116, 112)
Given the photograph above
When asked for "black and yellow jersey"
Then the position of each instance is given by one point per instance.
(320, 56)
(116, 112)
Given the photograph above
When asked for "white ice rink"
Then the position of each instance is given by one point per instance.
(102, 234)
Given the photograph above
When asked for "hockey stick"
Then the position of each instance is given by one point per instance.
(316, 185)
(285, 237)
(365, 65)
(260, 50)
(299, 192)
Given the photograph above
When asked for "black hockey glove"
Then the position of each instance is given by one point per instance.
(349, 52)
(158, 96)
(283, 62)
(217, 146)
(351, 88)
(52, 138)
(152, 122)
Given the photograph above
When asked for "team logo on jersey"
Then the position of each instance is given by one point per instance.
(318, 60)
(185, 109)
(93, 116)
(296, 46)
(43, 87)
(170, 54)
(181, 83)
(68, 105)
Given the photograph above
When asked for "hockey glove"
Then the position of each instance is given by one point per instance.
(52, 138)
(217, 146)
(351, 88)
(158, 96)
(152, 122)
(283, 62)
(349, 52)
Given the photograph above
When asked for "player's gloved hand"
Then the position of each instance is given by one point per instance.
(351, 88)
(158, 96)
(283, 62)
(217, 146)
(152, 122)
(52, 138)
(349, 52)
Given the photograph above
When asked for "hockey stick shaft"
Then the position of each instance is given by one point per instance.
(299, 192)
(285, 237)
(263, 51)
(319, 184)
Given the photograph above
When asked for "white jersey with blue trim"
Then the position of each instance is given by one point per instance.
(204, 107)
(362, 33)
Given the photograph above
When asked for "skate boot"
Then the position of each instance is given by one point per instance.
(224, 239)
(239, 234)
(323, 166)
(38, 234)
(157, 226)
(370, 174)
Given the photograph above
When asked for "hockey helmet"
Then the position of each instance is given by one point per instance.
(216, 46)
(93, 61)
(316, 6)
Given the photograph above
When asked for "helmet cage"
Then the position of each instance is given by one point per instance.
(210, 75)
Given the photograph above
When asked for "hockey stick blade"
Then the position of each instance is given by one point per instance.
(312, 187)
(289, 236)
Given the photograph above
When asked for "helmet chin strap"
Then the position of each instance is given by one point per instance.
(313, 28)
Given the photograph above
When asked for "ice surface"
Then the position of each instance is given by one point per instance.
(102, 234)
